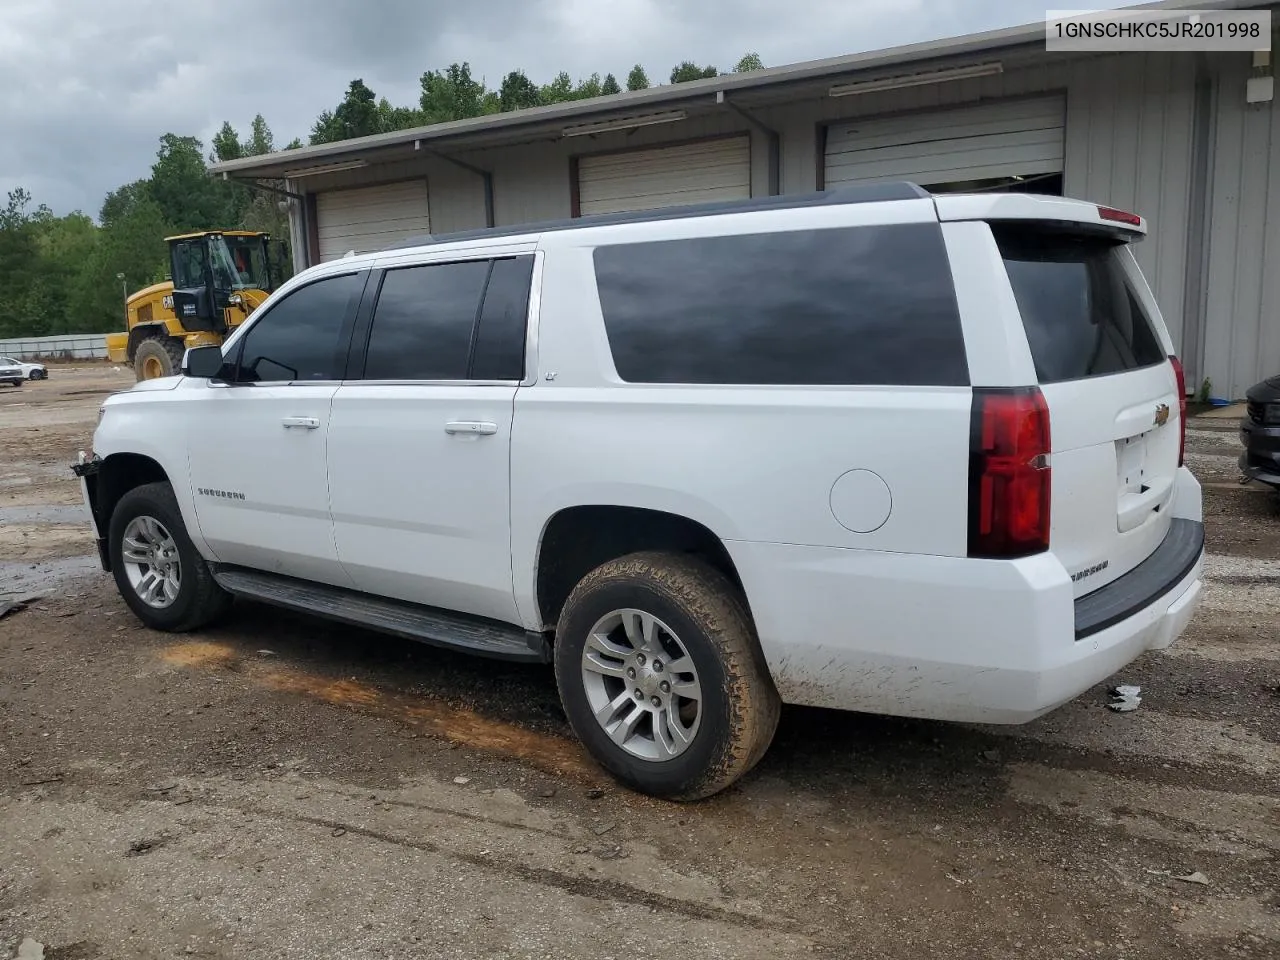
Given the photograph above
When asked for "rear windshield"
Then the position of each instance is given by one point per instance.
(1081, 316)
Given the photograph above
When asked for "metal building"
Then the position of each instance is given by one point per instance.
(1182, 138)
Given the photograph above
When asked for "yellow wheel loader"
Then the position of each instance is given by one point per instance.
(217, 278)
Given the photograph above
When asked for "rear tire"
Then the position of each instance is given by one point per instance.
(659, 741)
(158, 357)
(159, 573)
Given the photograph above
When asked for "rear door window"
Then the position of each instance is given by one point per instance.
(1080, 313)
(423, 322)
(451, 321)
(860, 305)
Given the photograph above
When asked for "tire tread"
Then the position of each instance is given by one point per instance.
(712, 601)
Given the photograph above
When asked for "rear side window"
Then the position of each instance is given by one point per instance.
(451, 321)
(423, 321)
(1081, 316)
(861, 305)
(498, 353)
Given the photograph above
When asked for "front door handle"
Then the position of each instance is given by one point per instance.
(306, 423)
(480, 428)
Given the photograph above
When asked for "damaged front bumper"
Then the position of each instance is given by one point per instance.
(87, 468)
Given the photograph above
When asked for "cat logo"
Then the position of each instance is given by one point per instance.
(167, 301)
(1162, 415)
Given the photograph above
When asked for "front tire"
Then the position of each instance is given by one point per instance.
(35, 375)
(158, 357)
(661, 675)
(159, 573)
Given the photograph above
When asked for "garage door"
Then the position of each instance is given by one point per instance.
(1000, 139)
(366, 219)
(665, 176)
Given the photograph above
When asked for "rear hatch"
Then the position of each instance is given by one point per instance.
(1102, 360)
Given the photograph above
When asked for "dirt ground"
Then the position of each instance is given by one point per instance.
(280, 787)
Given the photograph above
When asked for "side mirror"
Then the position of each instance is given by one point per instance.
(204, 363)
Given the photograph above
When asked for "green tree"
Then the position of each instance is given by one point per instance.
(558, 90)
(188, 198)
(396, 118)
(120, 201)
(749, 62)
(588, 88)
(19, 262)
(226, 144)
(133, 245)
(355, 116)
(294, 144)
(451, 94)
(637, 79)
(610, 85)
(518, 92)
(260, 139)
(66, 245)
(688, 70)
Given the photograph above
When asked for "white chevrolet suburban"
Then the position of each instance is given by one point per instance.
(869, 449)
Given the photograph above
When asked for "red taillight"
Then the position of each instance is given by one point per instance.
(1182, 407)
(1009, 473)
(1121, 216)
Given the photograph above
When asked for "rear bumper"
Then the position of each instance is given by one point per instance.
(948, 638)
(1261, 458)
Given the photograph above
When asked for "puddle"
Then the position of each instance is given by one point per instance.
(44, 513)
(43, 576)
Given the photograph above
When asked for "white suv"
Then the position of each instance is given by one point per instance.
(868, 449)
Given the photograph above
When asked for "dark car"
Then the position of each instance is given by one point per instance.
(1260, 433)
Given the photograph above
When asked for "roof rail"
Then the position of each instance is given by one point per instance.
(857, 193)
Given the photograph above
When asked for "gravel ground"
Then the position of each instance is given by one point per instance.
(280, 787)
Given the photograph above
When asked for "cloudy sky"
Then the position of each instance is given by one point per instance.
(87, 86)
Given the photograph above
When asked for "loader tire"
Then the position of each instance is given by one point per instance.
(158, 357)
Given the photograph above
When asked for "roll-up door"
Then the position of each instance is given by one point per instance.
(365, 219)
(698, 172)
(1005, 138)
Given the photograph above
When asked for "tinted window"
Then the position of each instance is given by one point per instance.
(500, 336)
(1081, 316)
(423, 322)
(299, 338)
(844, 306)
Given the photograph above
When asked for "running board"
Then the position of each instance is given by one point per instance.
(486, 638)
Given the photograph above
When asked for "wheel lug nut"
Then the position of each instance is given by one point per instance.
(655, 701)
(657, 666)
(665, 687)
(639, 694)
(640, 659)
(631, 673)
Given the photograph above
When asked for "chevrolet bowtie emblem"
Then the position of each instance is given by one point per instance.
(1162, 415)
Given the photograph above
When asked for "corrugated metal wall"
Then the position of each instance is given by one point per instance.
(1129, 123)
(1125, 114)
(80, 346)
(1131, 132)
(1242, 294)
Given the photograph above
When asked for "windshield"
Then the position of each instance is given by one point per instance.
(239, 263)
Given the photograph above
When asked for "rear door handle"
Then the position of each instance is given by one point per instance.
(482, 428)
(306, 423)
